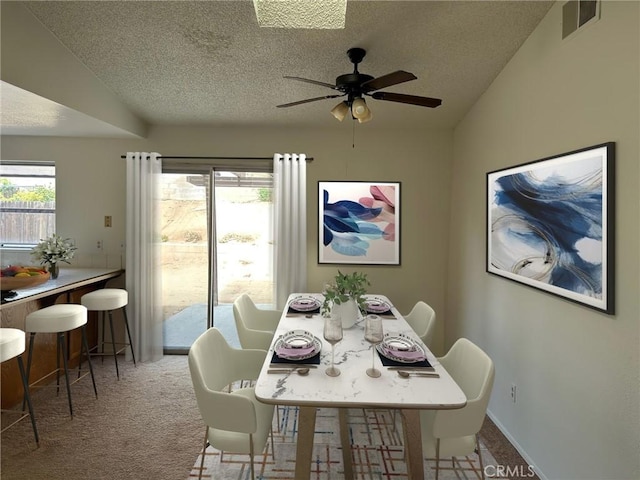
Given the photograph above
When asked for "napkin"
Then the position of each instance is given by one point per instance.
(315, 360)
(306, 312)
(414, 355)
(297, 351)
(387, 362)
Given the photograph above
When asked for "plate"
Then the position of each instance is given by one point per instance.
(401, 348)
(304, 304)
(298, 353)
(377, 305)
(297, 339)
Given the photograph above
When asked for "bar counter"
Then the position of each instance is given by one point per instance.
(69, 287)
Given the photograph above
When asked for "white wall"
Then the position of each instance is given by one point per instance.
(576, 370)
(91, 184)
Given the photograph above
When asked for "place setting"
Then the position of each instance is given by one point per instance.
(378, 306)
(401, 352)
(303, 305)
(296, 351)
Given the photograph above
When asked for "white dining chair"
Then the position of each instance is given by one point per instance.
(235, 421)
(422, 319)
(257, 318)
(453, 433)
(255, 325)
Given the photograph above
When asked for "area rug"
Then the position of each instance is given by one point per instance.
(376, 449)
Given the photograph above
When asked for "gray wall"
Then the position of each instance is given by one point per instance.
(576, 370)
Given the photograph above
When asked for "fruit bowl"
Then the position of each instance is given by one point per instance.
(22, 277)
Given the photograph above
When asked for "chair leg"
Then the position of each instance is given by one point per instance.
(437, 457)
(27, 398)
(86, 348)
(204, 449)
(113, 344)
(66, 368)
(273, 447)
(253, 471)
(126, 324)
(479, 456)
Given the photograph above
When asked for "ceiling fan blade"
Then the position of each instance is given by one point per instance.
(388, 80)
(300, 102)
(315, 82)
(410, 99)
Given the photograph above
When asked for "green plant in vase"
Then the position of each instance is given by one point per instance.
(52, 251)
(350, 286)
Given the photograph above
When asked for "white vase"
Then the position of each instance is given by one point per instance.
(348, 311)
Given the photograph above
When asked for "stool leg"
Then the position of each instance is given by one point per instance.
(66, 368)
(58, 367)
(113, 343)
(32, 337)
(86, 348)
(27, 398)
(126, 324)
(104, 319)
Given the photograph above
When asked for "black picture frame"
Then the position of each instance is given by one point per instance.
(551, 225)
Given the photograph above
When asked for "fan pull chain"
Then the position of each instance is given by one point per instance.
(353, 135)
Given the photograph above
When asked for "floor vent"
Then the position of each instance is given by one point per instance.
(577, 14)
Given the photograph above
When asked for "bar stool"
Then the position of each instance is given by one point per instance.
(107, 300)
(59, 319)
(12, 344)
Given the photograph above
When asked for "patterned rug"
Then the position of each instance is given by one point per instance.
(376, 448)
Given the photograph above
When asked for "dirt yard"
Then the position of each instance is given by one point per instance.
(244, 252)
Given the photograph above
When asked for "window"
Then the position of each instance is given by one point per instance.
(27, 203)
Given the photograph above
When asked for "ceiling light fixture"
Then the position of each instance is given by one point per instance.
(340, 110)
(320, 14)
(357, 107)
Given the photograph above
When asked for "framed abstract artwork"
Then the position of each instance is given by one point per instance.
(359, 223)
(550, 225)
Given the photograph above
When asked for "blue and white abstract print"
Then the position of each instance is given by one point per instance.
(546, 224)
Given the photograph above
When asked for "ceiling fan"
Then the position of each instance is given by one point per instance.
(356, 85)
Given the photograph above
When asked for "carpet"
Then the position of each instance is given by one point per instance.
(144, 426)
(376, 448)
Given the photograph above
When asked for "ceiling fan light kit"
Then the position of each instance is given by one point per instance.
(359, 108)
(340, 111)
(356, 85)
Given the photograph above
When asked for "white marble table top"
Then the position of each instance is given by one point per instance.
(353, 388)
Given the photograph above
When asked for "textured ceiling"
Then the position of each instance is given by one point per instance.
(209, 63)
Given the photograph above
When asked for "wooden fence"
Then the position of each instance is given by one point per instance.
(26, 222)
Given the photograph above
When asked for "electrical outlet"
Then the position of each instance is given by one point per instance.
(99, 245)
(513, 392)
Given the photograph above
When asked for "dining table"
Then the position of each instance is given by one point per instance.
(279, 384)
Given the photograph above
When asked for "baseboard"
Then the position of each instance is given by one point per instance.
(517, 446)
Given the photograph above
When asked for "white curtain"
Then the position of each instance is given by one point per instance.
(290, 224)
(142, 254)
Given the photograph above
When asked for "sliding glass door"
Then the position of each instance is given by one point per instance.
(216, 230)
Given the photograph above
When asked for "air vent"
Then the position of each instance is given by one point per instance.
(577, 14)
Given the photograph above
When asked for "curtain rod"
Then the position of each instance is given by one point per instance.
(179, 157)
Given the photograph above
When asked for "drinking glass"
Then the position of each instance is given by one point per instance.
(333, 334)
(373, 334)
